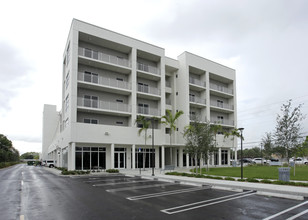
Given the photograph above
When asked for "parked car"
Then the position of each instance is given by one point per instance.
(299, 160)
(246, 160)
(258, 161)
(49, 163)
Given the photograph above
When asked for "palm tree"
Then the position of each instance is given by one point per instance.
(170, 120)
(145, 126)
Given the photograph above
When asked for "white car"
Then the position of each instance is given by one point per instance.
(259, 161)
(299, 161)
(49, 163)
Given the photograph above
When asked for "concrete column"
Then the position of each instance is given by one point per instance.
(112, 156)
(187, 160)
(134, 156)
(181, 157)
(71, 156)
(157, 157)
(162, 157)
(219, 156)
(229, 152)
(128, 158)
(175, 162)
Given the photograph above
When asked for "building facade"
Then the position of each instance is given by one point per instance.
(109, 79)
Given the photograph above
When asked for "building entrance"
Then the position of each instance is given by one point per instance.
(120, 158)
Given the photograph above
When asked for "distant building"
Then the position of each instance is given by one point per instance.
(109, 79)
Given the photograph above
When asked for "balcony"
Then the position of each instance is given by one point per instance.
(197, 82)
(103, 105)
(220, 88)
(197, 100)
(103, 81)
(148, 111)
(148, 89)
(147, 68)
(221, 105)
(222, 121)
(103, 57)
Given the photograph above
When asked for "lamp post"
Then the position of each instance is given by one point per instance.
(152, 120)
(241, 130)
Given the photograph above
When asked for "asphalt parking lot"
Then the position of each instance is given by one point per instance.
(171, 200)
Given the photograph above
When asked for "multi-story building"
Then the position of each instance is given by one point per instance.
(109, 79)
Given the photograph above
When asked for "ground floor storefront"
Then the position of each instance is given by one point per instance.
(79, 156)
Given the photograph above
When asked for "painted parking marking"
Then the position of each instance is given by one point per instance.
(153, 195)
(110, 180)
(298, 215)
(140, 187)
(121, 183)
(285, 211)
(205, 203)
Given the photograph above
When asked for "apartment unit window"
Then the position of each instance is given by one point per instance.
(191, 97)
(66, 123)
(90, 77)
(90, 101)
(220, 103)
(143, 108)
(90, 121)
(167, 130)
(66, 103)
(119, 123)
(120, 100)
(220, 118)
(67, 80)
(120, 79)
(142, 87)
(68, 54)
(192, 115)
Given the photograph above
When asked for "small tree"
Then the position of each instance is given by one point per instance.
(288, 127)
(145, 123)
(267, 142)
(170, 120)
(302, 149)
(200, 141)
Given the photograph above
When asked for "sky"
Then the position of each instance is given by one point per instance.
(266, 42)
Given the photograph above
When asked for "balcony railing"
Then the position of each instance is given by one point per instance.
(197, 82)
(197, 100)
(103, 57)
(222, 121)
(148, 68)
(148, 89)
(216, 87)
(148, 111)
(105, 81)
(105, 105)
(222, 105)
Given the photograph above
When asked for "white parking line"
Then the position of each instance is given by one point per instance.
(110, 180)
(140, 187)
(285, 211)
(298, 215)
(152, 195)
(120, 183)
(220, 200)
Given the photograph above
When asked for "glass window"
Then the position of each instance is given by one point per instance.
(102, 160)
(78, 148)
(86, 149)
(86, 160)
(78, 160)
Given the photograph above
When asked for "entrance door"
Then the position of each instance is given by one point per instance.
(120, 158)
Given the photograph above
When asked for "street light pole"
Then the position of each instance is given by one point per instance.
(152, 147)
(241, 130)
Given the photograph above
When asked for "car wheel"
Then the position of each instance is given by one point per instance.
(51, 166)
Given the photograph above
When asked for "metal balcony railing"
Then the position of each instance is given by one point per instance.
(197, 100)
(148, 89)
(104, 105)
(148, 111)
(105, 81)
(222, 105)
(148, 68)
(97, 55)
(197, 82)
(220, 88)
(222, 121)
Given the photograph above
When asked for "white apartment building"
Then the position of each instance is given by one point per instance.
(109, 79)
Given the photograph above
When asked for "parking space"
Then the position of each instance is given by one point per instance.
(187, 201)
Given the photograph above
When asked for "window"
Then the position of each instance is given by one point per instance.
(68, 54)
(120, 79)
(143, 108)
(220, 119)
(220, 103)
(90, 101)
(119, 100)
(66, 103)
(191, 97)
(90, 77)
(142, 87)
(88, 52)
(119, 123)
(67, 80)
(90, 121)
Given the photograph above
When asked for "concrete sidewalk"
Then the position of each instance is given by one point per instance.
(291, 192)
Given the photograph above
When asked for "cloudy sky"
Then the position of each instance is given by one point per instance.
(265, 41)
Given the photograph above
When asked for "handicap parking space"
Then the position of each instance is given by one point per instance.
(174, 200)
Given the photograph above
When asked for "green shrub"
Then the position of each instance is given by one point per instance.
(112, 171)
(252, 180)
(74, 172)
(266, 181)
(241, 180)
(229, 178)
